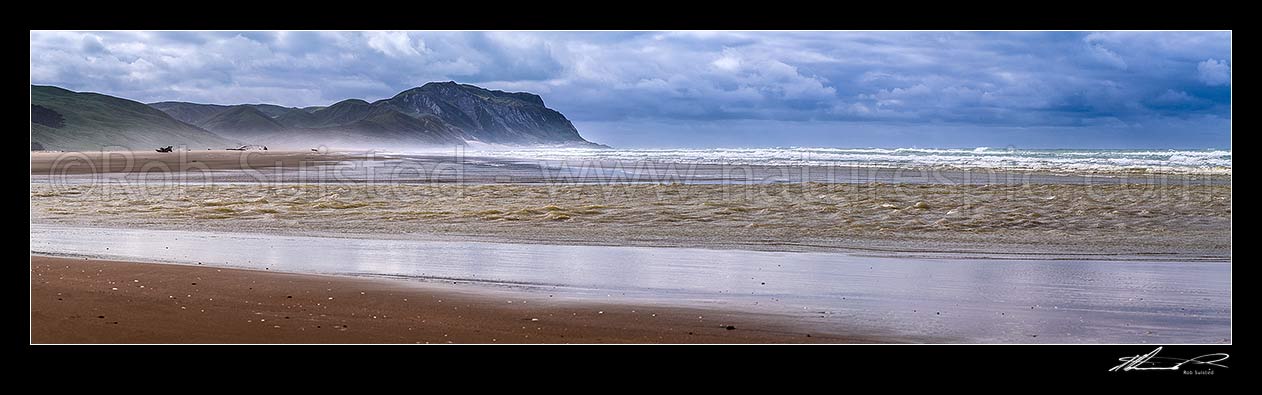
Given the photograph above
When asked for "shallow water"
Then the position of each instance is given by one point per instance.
(971, 301)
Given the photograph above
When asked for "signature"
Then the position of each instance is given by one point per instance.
(1151, 361)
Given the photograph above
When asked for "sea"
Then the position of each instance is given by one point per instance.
(1182, 161)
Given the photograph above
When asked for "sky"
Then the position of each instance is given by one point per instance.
(712, 89)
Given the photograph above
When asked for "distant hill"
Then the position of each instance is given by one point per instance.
(190, 113)
(341, 113)
(348, 123)
(272, 110)
(241, 122)
(75, 121)
(197, 114)
(437, 113)
(297, 119)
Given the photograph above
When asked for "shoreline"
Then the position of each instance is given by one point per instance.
(45, 163)
(173, 303)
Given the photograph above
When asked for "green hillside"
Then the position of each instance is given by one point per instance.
(90, 122)
(241, 122)
(190, 113)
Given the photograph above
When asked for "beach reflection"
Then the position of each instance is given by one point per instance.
(957, 300)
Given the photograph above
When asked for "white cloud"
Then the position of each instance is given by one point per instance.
(727, 63)
(1214, 72)
(1096, 47)
(395, 44)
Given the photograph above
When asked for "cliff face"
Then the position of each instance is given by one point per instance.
(489, 116)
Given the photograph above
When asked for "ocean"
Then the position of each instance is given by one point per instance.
(1203, 161)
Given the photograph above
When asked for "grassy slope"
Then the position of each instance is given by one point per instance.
(94, 122)
(241, 122)
(190, 113)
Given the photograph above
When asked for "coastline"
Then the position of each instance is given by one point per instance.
(166, 303)
(440, 166)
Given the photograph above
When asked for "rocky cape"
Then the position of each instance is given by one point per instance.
(435, 114)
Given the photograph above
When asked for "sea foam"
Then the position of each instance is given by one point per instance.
(1207, 161)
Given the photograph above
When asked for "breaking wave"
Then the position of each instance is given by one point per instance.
(1207, 161)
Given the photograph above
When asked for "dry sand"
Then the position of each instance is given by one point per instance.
(90, 301)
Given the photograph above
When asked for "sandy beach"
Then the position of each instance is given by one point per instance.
(905, 259)
(92, 301)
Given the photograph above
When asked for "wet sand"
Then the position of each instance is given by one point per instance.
(947, 300)
(93, 301)
(1169, 222)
